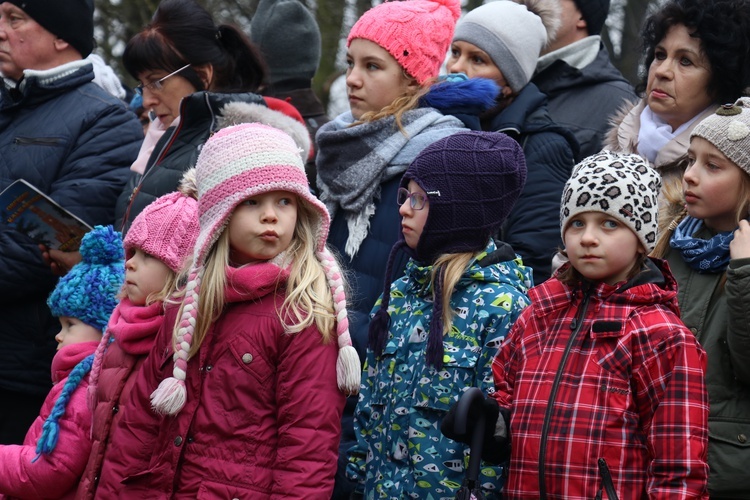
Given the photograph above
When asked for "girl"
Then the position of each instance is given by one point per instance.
(447, 315)
(599, 383)
(159, 241)
(708, 249)
(249, 405)
(53, 455)
(503, 41)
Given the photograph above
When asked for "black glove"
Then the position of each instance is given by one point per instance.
(494, 449)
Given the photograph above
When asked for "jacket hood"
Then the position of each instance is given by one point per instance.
(559, 76)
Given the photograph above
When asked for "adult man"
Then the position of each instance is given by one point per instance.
(583, 87)
(73, 141)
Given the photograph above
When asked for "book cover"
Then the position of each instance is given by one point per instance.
(26, 209)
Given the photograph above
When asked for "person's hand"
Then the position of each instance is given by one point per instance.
(739, 248)
(59, 262)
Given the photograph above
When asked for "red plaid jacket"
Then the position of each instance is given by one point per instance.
(605, 373)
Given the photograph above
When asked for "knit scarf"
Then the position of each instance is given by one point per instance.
(135, 327)
(705, 256)
(253, 281)
(654, 133)
(353, 162)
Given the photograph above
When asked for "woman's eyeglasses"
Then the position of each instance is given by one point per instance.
(157, 85)
(417, 201)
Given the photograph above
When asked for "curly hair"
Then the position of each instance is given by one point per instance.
(723, 28)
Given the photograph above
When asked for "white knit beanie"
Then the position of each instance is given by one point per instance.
(513, 35)
(237, 163)
(729, 130)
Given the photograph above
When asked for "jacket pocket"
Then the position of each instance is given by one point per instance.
(249, 358)
(728, 455)
(219, 491)
(441, 390)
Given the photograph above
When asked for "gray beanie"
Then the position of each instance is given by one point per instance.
(513, 35)
(621, 185)
(288, 36)
(729, 130)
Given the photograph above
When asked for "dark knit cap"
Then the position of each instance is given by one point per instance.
(594, 13)
(288, 36)
(472, 180)
(71, 20)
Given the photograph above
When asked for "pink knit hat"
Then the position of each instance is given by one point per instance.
(236, 163)
(417, 33)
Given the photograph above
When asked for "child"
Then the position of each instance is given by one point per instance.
(161, 237)
(708, 249)
(251, 406)
(447, 316)
(600, 383)
(53, 455)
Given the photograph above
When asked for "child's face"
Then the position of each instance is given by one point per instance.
(144, 275)
(712, 185)
(467, 58)
(374, 79)
(601, 247)
(413, 220)
(75, 331)
(262, 226)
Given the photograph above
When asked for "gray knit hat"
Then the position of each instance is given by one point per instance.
(513, 35)
(621, 185)
(729, 130)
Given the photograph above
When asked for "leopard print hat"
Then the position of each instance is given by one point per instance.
(621, 185)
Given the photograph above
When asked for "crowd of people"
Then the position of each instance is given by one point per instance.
(273, 303)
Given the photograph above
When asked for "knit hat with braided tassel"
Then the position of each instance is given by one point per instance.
(235, 164)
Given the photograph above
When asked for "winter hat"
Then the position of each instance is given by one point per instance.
(621, 185)
(417, 33)
(472, 180)
(595, 13)
(236, 163)
(513, 35)
(71, 20)
(168, 227)
(287, 34)
(89, 291)
(729, 130)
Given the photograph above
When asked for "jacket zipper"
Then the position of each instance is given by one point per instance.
(575, 327)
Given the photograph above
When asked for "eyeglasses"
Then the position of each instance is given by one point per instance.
(417, 201)
(158, 85)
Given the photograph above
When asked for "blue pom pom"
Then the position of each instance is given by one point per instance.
(102, 245)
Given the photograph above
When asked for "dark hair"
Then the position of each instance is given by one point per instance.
(182, 32)
(723, 28)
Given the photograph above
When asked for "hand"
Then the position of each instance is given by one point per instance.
(739, 248)
(59, 262)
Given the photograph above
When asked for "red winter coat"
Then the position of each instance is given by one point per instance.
(262, 417)
(55, 475)
(610, 373)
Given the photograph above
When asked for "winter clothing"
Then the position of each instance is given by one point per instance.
(53, 475)
(416, 33)
(623, 186)
(595, 13)
(105, 77)
(400, 450)
(597, 83)
(88, 292)
(608, 372)
(72, 20)
(82, 163)
(718, 317)
(729, 130)
(248, 429)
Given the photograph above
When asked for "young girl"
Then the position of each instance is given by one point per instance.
(156, 246)
(53, 455)
(708, 249)
(599, 382)
(250, 404)
(461, 293)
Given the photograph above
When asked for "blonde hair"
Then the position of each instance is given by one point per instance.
(406, 102)
(308, 295)
(452, 266)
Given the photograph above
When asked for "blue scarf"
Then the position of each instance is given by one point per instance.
(705, 256)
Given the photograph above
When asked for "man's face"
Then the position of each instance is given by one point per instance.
(24, 44)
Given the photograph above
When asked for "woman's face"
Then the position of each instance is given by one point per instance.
(469, 59)
(678, 78)
(165, 103)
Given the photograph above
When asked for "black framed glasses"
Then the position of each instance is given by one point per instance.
(417, 201)
(158, 85)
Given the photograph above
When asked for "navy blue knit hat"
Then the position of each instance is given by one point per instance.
(89, 291)
(472, 180)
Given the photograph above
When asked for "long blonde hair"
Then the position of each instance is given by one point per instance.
(452, 266)
(406, 102)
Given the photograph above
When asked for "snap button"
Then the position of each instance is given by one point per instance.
(694, 330)
(209, 368)
(742, 438)
(247, 358)
(115, 409)
(178, 441)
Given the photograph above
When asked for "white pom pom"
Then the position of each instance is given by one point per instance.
(348, 370)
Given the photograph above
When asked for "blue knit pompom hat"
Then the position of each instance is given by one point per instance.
(89, 291)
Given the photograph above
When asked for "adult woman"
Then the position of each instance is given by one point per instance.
(502, 41)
